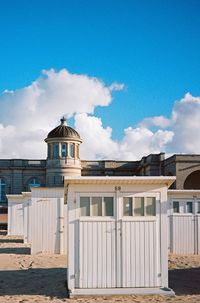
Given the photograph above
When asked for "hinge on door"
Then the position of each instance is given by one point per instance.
(74, 201)
(159, 275)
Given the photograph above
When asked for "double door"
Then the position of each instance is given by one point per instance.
(118, 251)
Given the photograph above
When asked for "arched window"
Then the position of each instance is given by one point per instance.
(2, 190)
(56, 150)
(34, 182)
(64, 150)
(71, 150)
(193, 180)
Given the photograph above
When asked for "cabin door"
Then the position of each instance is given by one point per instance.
(97, 242)
(45, 225)
(119, 242)
(140, 241)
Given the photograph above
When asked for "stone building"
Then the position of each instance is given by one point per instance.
(63, 143)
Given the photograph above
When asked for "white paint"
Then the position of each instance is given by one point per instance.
(15, 215)
(107, 253)
(47, 225)
(184, 227)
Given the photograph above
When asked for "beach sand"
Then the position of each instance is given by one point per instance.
(41, 278)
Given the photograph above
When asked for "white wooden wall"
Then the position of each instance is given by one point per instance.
(47, 218)
(116, 252)
(15, 219)
(26, 227)
(140, 254)
(97, 254)
(185, 234)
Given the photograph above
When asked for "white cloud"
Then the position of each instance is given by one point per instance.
(50, 96)
(97, 139)
(186, 125)
(138, 142)
(158, 121)
(33, 110)
(27, 114)
(116, 86)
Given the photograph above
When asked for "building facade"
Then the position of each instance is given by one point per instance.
(63, 144)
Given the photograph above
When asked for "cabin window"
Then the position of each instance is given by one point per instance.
(85, 206)
(198, 207)
(139, 206)
(189, 208)
(176, 208)
(150, 206)
(108, 206)
(127, 206)
(2, 190)
(96, 206)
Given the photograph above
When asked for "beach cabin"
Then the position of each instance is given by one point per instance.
(184, 221)
(117, 235)
(47, 220)
(15, 215)
(39, 216)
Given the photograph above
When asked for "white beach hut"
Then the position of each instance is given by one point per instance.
(117, 230)
(15, 215)
(184, 221)
(47, 217)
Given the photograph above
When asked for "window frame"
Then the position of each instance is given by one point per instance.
(186, 207)
(145, 197)
(177, 212)
(91, 217)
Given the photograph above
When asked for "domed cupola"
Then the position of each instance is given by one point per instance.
(64, 131)
(63, 154)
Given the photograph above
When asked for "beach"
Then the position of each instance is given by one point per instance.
(42, 278)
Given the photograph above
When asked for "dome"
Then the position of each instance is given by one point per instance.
(64, 131)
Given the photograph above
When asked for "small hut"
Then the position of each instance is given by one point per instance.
(117, 229)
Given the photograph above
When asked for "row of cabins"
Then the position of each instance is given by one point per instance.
(115, 228)
(116, 231)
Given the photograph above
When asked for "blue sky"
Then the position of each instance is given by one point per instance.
(153, 47)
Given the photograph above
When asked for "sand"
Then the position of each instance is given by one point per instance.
(41, 278)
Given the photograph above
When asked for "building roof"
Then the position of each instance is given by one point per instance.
(64, 131)
(121, 180)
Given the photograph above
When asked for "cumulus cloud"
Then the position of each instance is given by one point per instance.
(27, 114)
(51, 95)
(138, 142)
(186, 125)
(157, 121)
(97, 140)
(116, 86)
(178, 134)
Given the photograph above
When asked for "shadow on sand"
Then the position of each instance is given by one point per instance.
(11, 241)
(185, 281)
(40, 281)
(16, 250)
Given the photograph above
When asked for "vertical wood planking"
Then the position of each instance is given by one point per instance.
(97, 257)
(183, 234)
(139, 253)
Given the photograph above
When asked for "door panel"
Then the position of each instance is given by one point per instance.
(97, 254)
(140, 254)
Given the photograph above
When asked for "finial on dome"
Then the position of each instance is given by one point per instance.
(63, 121)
